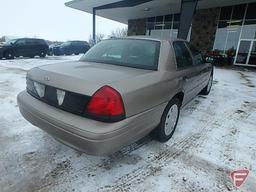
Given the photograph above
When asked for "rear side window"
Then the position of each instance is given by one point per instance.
(78, 43)
(41, 42)
(30, 41)
(183, 56)
(197, 56)
(35, 42)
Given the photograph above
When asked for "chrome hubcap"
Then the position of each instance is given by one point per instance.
(171, 120)
(209, 86)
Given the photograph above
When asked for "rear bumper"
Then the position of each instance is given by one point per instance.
(86, 135)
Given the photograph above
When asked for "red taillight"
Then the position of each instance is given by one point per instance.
(106, 103)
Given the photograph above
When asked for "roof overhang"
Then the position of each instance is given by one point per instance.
(143, 8)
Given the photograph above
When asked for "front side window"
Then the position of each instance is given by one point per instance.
(21, 42)
(143, 54)
(183, 56)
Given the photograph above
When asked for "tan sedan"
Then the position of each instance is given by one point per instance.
(119, 91)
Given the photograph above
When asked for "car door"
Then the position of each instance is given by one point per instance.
(31, 47)
(20, 47)
(186, 70)
(69, 48)
(204, 69)
(75, 47)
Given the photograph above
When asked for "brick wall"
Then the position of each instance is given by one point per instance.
(204, 28)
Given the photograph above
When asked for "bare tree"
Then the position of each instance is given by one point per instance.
(119, 33)
(2, 39)
(99, 37)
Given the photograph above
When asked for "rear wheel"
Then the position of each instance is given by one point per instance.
(169, 121)
(9, 55)
(42, 54)
(208, 87)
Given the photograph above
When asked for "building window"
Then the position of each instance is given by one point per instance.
(249, 27)
(225, 13)
(236, 33)
(164, 26)
(238, 12)
(251, 13)
(235, 23)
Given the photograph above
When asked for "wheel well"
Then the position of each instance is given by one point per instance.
(8, 51)
(179, 96)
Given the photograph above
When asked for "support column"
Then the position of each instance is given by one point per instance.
(94, 25)
(187, 11)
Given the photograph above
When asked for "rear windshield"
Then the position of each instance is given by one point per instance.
(143, 54)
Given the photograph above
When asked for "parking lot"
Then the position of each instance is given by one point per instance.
(215, 135)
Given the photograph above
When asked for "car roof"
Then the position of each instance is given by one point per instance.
(144, 37)
(78, 41)
(30, 39)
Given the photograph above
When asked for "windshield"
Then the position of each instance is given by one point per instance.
(10, 42)
(143, 54)
(66, 43)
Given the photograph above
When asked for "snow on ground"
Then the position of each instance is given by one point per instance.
(215, 135)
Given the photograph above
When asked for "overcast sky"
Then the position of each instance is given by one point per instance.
(49, 19)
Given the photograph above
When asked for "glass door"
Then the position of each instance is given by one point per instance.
(252, 56)
(243, 52)
(246, 54)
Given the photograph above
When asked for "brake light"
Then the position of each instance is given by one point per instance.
(106, 104)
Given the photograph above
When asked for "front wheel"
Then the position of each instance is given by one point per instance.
(9, 55)
(169, 121)
(208, 87)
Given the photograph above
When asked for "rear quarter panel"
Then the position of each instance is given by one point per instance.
(148, 91)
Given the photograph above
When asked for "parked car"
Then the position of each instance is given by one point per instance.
(217, 58)
(119, 91)
(53, 46)
(71, 47)
(25, 47)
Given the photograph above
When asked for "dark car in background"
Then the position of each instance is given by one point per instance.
(53, 46)
(71, 47)
(26, 47)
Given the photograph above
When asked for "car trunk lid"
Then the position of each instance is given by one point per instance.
(83, 77)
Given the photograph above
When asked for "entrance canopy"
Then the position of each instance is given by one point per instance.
(122, 11)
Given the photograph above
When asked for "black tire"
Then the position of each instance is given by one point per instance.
(208, 87)
(31, 56)
(42, 54)
(160, 133)
(76, 53)
(9, 55)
